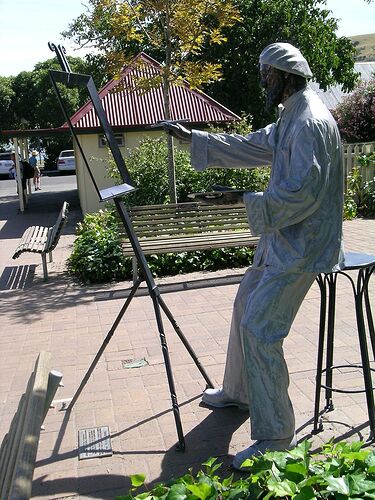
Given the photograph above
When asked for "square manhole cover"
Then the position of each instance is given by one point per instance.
(94, 443)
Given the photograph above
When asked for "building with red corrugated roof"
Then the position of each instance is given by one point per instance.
(132, 111)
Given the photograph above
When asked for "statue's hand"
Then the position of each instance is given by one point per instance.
(177, 130)
(228, 194)
(234, 198)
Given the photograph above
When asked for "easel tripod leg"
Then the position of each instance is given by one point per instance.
(155, 295)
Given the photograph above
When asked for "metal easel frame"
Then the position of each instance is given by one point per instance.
(72, 80)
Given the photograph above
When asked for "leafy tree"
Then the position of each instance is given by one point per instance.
(355, 115)
(178, 29)
(29, 101)
(6, 99)
(303, 23)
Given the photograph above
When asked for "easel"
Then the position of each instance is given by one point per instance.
(70, 79)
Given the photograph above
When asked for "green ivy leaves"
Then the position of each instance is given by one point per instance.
(339, 471)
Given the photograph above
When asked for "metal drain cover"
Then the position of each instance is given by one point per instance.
(134, 363)
(94, 443)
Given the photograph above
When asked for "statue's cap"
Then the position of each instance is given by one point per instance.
(285, 57)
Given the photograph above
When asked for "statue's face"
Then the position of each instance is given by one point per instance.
(273, 81)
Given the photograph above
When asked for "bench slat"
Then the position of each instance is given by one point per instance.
(56, 229)
(173, 245)
(166, 214)
(37, 243)
(128, 252)
(171, 230)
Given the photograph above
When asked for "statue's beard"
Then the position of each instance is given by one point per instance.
(274, 94)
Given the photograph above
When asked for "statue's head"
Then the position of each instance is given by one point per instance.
(283, 71)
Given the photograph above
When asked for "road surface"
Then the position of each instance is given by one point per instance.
(49, 182)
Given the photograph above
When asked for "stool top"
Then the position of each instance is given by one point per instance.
(355, 260)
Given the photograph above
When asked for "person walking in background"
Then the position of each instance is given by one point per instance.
(299, 218)
(34, 163)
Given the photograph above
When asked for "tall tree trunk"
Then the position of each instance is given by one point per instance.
(167, 110)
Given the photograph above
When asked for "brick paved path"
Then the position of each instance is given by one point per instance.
(71, 322)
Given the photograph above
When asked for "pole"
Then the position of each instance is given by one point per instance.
(19, 176)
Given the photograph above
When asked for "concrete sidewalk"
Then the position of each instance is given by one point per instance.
(71, 322)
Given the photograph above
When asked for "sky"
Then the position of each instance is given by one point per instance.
(28, 25)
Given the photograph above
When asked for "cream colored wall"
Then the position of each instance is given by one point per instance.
(97, 158)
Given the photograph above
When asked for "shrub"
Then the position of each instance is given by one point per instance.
(207, 260)
(147, 165)
(97, 255)
(340, 471)
(369, 198)
(367, 159)
(360, 196)
(355, 115)
(350, 207)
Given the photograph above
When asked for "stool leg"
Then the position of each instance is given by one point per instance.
(362, 284)
(370, 321)
(322, 326)
(331, 280)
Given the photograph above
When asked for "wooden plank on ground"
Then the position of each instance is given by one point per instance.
(25, 463)
(19, 447)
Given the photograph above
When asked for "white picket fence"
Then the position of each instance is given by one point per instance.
(351, 154)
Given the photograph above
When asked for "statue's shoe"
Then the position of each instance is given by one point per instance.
(219, 399)
(260, 447)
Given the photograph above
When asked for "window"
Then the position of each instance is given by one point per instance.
(5, 156)
(119, 139)
(67, 153)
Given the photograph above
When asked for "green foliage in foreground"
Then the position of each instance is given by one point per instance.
(340, 471)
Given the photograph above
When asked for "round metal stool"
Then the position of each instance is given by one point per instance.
(365, 265)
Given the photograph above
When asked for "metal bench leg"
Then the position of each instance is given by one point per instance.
(44, 262)
(50, 256)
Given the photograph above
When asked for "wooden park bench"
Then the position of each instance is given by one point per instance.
(187, 227)
(19, 447)
(43, 239)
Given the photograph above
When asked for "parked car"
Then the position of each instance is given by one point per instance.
(66, 160)
(5, 163)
